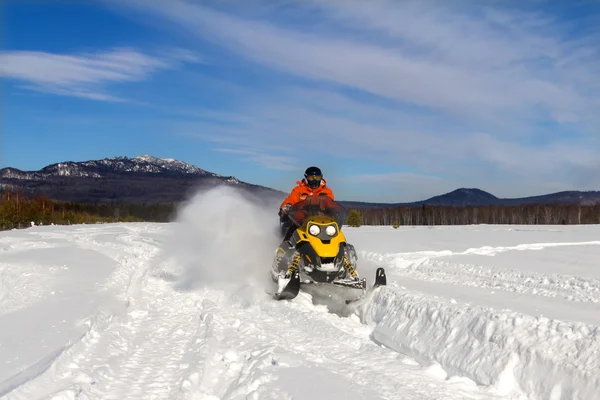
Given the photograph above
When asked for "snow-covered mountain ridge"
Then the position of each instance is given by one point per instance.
(99, 168)
(138, 180)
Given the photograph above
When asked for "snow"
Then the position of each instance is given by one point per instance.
(89, 169)
(179, 311)
(149, 163)
(69, 169)
(12, 173)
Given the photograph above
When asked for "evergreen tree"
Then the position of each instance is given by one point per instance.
(354, 218)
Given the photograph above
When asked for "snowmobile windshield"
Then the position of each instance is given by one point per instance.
(315, 206)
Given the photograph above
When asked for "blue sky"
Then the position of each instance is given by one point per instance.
(394, 100)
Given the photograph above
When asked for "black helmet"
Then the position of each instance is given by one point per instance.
(313, 177)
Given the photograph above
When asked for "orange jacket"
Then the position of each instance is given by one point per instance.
(302, 191)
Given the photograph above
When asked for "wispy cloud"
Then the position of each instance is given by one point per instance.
(265, 159)
(85, 75)
(462, 89)
(398, 186)
(492, 65)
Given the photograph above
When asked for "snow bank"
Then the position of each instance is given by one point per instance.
(222, 236)
(543, 358)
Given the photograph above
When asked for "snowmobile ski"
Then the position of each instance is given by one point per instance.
(353, 284)
(290, 290)
(380, 280)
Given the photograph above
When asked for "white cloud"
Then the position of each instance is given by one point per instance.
(269, 161)
(395, 187)
(84, 75)
(394, 177)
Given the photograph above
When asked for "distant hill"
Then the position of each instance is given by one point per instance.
(477, 197)
(143, 179)
(463, 197)
(566, 197)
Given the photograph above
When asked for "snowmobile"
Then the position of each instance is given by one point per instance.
(317, 253)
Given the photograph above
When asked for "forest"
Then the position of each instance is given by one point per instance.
(530, 214)
(20, 211)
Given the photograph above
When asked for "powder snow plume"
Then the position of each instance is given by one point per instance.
(224, 236)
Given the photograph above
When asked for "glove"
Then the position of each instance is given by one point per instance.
(285, 209)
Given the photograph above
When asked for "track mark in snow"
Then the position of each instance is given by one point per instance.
(570, 288)
(484, 250)
(490, 251)
(137, 355)
(439, 266)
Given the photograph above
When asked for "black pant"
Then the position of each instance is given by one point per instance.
(287, 226)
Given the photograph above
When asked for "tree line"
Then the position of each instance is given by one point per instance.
(19, 211)
(531, 214)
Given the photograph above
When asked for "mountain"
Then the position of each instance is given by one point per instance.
(143, 179)
(463, 197)
(103, 168)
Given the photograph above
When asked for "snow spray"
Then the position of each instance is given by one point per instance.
(224, 236)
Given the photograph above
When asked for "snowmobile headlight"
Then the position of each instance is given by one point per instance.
(330, 230)
(314, 230)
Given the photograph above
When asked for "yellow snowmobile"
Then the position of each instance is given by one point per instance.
(317, 252)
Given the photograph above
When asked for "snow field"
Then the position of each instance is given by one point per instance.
(176, 311)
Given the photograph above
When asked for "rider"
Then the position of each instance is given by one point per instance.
(312, 184)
